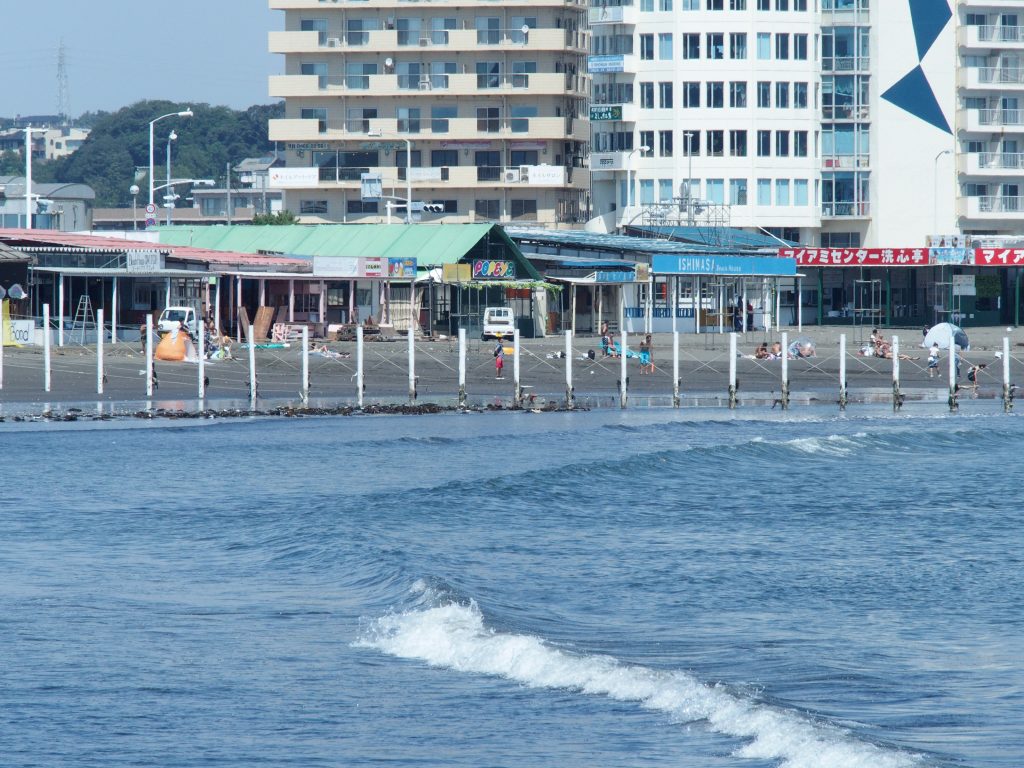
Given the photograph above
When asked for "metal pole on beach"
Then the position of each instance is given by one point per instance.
(462, 367)
(732, 371)
(675, 369)
(252, 368)
(954, 406)
(412, 365)
(201, 368)
(517, 390)
(99, 351)
(304, 386)
(149, 355)
(46, 347)
(60, 313)
(1007, 391)
(624, 380)
(785, 370)
(359, 366)
(897, 396)
(570, 391)
(842, 372)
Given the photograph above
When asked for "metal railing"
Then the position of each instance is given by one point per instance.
(1000, 75)
(845, 63)
(999, 204)
(1001, 116)
(1000, 160)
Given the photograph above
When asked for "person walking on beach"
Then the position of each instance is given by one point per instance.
(933, 360)
(499, 359)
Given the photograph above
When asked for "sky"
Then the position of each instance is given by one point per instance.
(116, 52)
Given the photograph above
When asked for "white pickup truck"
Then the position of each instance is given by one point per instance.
(171, 317)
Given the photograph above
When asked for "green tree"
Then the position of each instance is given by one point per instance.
(274, 219)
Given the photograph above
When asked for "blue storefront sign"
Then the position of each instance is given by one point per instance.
(615, 277)
(724, 266)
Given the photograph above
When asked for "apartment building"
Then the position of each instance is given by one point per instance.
(990, 118)
(480, 106)
(831, 122)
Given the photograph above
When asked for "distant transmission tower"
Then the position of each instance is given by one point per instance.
(63, 106)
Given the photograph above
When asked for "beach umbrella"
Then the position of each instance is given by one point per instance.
(802, 346)
(945, 334)
(16, 292)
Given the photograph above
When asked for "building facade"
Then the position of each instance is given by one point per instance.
(491, 98)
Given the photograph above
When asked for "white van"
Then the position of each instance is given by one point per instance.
(171, 317)
(498, 320)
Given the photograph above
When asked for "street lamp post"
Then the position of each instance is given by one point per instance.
(133, 190)
(183, 113)
(935, 191)
(169, 194)
(408, 174)
(630, 196)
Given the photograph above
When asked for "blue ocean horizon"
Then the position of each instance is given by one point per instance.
(642, 588)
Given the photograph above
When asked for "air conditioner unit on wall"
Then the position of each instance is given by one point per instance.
(511, 175)
(424, 41)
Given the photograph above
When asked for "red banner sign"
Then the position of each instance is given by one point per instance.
(858, 257)
(998, 257)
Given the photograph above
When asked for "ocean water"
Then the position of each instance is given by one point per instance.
(646, 588)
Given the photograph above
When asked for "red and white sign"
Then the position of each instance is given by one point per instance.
(998, 257)
(858, 257)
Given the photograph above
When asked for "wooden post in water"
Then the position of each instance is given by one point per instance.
(732, 371)
(1007, 390)
(46, 347)
(843, 393)
(360, 387)
(412, 365)
(675, 369)
(785, 371)
(201, 375)
(304, 384)
(897, 396)
(954, 406)
(623, 380)
(149, 355)
(252, 368)
(517, 390)
(462, 367)
(570, 391)
(99, 351)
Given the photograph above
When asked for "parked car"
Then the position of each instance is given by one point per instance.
(172, 316)
(498, 321)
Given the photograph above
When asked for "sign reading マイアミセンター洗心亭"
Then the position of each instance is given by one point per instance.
(751, 266)
(492, 269)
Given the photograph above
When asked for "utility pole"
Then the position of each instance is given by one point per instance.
(227, 183)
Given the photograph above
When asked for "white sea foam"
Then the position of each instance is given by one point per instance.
(455, 637)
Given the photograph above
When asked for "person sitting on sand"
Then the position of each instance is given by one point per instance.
(762, 351)
(776, 351)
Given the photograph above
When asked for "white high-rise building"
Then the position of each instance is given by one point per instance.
(840, 123)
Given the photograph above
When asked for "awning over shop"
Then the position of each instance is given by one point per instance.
(724, 266)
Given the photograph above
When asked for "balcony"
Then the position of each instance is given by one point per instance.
(464, 84)
(846, 210)
(457, 176)
(846, 64)
(846, 112)
(992, 164)
(992, 207)
(992, 36)
(1003, 78)
(326, 5)
(448, 129)
(613, 14)
(990, 120)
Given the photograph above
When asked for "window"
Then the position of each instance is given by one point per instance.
(439, 71)
(738, 143)
(715, 98)
(715, 5)
(488, 165)
(409, 74)
(439, 117)
(408, 119)
(782, 143)
(800, 95)
(738, 95)
(646, 5)
(358, 119)
(523, 157)
(647, 140)
(488, 74)
(800, 188)
(439, 29)
(521, 71)
(691, 95)
(800, 47)
(409, 31)
(318, 114)
(361, 206)
(357, 74)
(764, 191)
(665, 190)
(665, 46)
(764, 95)
(764, 143)
(737, 5)
(691, 45)
(737, 45)
(715, 191)
(646, 191)
(799, 143)
(737, 191)
(317, 69)
(665, 95)
(764, 5)
(764, 46)
(441, 158)
(665, 5)
(665, 143)
(716, 45)
(782, 191)
(716, 143)
(647, 95)
(357, 31)
(781, 5)
(524, 209)
(315, 25)
(782, 95)
(691, 5)
(799, 5)
(488, 30)
(647, 47)
(520, 122)
(691, 142)
(313, 206)
(516, 34)
(488, 119)
(487, 209)
(782, 46)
